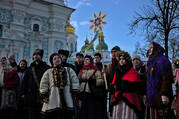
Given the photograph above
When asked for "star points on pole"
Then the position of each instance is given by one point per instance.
(98, 21)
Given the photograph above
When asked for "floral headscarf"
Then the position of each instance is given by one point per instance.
(122, 69)
(126, 56)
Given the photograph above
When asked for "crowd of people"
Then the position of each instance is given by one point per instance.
(135, 89)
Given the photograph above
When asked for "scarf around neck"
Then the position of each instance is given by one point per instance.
(90, 66)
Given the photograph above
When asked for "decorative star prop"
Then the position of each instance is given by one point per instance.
(98, 21)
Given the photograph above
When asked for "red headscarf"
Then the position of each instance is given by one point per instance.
(91, 65)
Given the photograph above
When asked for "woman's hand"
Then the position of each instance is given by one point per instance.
(165, 100)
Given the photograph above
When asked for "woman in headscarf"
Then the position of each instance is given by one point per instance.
(91, 89)
(56, 88)
(8, 78)
(159, 83)
(126, 81)
(8, 82)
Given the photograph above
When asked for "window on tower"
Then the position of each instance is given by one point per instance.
(36, 28)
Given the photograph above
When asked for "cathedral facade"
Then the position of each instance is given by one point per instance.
(26, 25)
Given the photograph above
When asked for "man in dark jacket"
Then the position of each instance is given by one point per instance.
(110, 74)
(78, 62)
(98, 63)
(31, 83)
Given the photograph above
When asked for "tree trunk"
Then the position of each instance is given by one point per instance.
(166, 43)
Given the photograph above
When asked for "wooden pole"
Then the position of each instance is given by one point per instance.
(104, 73)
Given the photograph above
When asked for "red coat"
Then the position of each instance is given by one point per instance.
(130, 97)
(11, 79)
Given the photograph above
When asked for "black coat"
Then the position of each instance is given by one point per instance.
(99, 65)
(78, 67)
(29, 87)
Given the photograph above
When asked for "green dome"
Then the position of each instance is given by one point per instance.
(101, 45)
(86, 45)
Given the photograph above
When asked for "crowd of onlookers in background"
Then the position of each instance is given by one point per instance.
(134, 89)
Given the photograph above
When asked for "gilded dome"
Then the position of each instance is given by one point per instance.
(69, 28)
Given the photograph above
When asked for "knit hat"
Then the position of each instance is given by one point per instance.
(51, 57)
(39, 52)
(63, 52)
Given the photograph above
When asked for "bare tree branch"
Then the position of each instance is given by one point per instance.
(158, 21)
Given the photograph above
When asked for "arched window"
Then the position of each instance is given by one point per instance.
(71, 46)
(35, 27)
(1, 28)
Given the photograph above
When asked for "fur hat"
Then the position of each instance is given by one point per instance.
(39, 52)
(63, 52)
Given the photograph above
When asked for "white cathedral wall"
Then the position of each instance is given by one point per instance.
(51, 19)
(71, 40)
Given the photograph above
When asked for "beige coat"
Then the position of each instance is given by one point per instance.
(47, 84)
(85, 75)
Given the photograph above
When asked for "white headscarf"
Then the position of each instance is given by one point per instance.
(2, 70)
